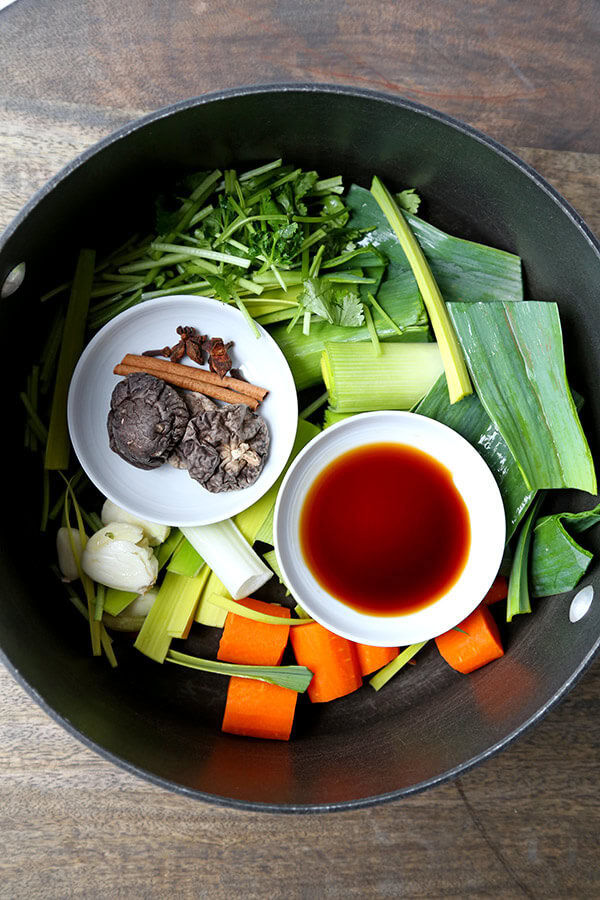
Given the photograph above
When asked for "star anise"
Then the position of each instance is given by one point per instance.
(219, 360)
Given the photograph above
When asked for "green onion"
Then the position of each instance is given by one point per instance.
(246, 613)
(358, 381)
(517, 601)
(459, 383)
(383, 676)
(295, 678)
(58, 446)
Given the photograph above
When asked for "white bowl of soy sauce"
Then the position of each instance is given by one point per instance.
(389, 528)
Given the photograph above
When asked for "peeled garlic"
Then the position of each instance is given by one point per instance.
(119, 556)
(64, 550)
(155, 533)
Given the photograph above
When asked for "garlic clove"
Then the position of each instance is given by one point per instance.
(64, 550)
(154, 532)
(113, 557)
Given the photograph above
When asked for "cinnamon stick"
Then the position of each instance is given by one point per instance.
(180, 380)
(163, 365)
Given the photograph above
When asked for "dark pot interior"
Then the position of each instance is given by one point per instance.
(164, 722)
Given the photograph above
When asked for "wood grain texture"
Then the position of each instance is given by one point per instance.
(523, 824)
(524, 72)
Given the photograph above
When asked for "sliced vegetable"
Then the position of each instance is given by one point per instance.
(154, 638)
(186, 560)
(470, 419)
(182, 616)
(296, 678)
(207, 613)
(58, 446)
(256, 709)
(473, 643)
(497, 592)
(557, 561)
(359, 381)
(457, 376)
(372, 658)
(250, 642)
(383, 676)
(515, 354)
(332, 659)
(230, 557)
(517, 600)
(116, 600)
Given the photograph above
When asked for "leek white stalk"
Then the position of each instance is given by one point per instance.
(230, 556)
(155, 533)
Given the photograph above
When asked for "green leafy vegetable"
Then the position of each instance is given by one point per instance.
(558, 562)
(515, 355)
(470, 419)
(517, 601)
(338, 304)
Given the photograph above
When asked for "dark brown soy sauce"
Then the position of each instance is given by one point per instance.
(385, 530)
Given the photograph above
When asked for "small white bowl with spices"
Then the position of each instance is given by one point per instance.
(389, 528)
(165, 494)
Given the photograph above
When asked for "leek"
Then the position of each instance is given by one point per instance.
(558, 562)
(332, 417)
(115, 600)
(515, 353)
(165, 551)
(470, 419)
(183, 614)
(517, 601)
(459, 383)
(154, 638)
(359, 381)
(58, 446)
(295, 678)
(206, 612)
(383, 676)
(246, 613)
(230, 556)
(186, 560)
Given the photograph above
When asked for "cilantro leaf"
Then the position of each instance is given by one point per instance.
(338, 304)
(409, 200)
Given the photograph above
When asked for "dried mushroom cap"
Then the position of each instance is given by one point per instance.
(224, 449)
(147, 420)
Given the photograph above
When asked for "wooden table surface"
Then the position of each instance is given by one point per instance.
(526, 822)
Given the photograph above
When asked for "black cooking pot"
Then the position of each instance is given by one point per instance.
(162, 722)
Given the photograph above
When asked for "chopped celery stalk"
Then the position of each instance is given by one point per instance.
(207, 613)
(358, 381)
(165, 551)
(516, 356)
(188, 252)
(154, 638)
(332, 417)
(240, 610)
(295, 678)
(183, 614)
(186, 560)
(558, 562)
(383, 676)
(459, 383)
(517, 601)
(372, 330)
(115, 601)
(230, 556)
(58, 446)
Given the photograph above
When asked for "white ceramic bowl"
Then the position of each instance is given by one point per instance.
(167, 495)
(473, 480)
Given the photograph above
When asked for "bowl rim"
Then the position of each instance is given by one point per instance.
(378, 96)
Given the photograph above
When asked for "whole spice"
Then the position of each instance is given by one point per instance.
(219, 360)
(189, 344)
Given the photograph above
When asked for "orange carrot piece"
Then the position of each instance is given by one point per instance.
(254, 643)
(372, 658)
(257, 709)
(478, 645)
(332, 659)
(497, 592)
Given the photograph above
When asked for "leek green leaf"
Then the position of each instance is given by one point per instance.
(296, 678)
(470, 419)
(558, 562)
(517, 601)
(516, 358)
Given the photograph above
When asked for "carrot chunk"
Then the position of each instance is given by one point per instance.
(497, 592)
(257, 709)
(477, 643)
(370, 659)
(332, 659)
(254, 643)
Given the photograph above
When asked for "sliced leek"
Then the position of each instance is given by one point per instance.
(245, 612)
(230, 556)
(459, 383)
